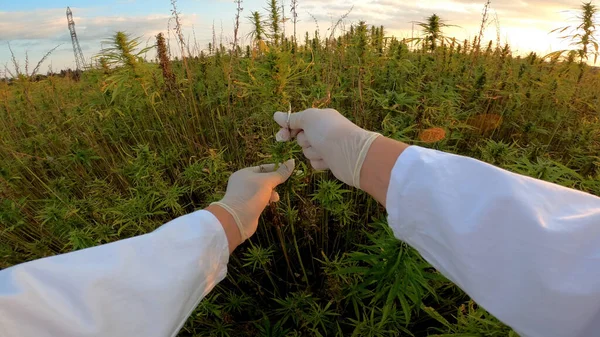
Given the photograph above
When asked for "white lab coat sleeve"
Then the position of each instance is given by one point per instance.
(526, 250)
(143, 286)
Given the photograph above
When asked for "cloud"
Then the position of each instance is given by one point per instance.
(51, 24)
(102, 27)
(397, 14)
(38, 31)
(40, 24)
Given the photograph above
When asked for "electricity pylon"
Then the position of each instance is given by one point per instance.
(79, 59)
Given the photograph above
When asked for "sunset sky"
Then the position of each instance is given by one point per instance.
(36, 26)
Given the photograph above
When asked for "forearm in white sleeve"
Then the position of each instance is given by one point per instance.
(143, 286)
(526, 250)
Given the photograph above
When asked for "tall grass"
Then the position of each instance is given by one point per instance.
(129, 146)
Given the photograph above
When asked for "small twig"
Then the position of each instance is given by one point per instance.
(339, 21)
(294, 6)
(316, 23)
(26, 62)
(6, 70)
(214, 38)
(39, 64)
(236, 26)
(484, 21)
(14, 61)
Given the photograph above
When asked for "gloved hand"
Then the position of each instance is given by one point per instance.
(250, 190)
(329, 141)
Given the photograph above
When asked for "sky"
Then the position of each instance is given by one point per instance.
(34, 27)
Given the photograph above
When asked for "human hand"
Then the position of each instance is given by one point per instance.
(329, 141)
(249, 191)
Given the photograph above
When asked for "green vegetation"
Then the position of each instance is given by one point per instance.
(122, 149)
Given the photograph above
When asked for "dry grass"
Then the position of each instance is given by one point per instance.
(432, 135)
(485, 123)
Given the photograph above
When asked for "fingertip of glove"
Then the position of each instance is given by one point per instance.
(280, 118)
(283, 135)
(290, 164)
(286, 169)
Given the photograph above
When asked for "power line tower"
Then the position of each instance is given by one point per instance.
(79, 59)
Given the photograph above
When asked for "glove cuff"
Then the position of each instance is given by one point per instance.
(362, 155)
(238, 222)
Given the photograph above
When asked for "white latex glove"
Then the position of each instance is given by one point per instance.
(329, 141)
(250, 190)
